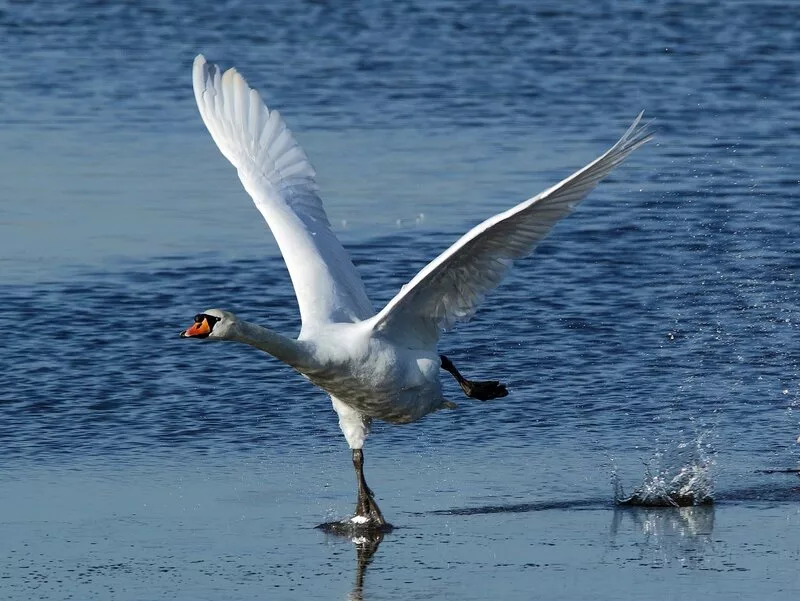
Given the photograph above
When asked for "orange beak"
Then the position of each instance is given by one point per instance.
(199, 329)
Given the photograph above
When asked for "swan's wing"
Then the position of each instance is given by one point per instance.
(451, 286)
(278, 175)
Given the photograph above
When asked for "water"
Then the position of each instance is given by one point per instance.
(654, 331)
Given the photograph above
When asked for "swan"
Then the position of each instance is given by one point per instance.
(382, 365)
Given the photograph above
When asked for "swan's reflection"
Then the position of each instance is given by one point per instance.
(674, 534)
(366, 546)
(366, 543)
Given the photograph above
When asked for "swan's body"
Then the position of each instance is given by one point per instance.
(374, 376)
(375, 366)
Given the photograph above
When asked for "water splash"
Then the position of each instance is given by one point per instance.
(680, 478)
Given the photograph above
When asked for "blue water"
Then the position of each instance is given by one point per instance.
(654, 330)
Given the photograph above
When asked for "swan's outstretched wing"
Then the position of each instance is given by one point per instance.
(277, 174)
(451, 286)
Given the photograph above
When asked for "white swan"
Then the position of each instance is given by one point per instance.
(385, 365)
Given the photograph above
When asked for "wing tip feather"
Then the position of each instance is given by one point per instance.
(637, 134)
(573, 190)
(238, 119)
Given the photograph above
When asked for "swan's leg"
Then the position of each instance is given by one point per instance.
(482, 391)
(366, 507)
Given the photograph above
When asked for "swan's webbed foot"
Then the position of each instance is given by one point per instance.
(368, 520)
(368, 516)
(483, 391)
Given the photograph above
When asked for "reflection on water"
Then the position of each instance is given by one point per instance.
(669, 534)
(366, 544)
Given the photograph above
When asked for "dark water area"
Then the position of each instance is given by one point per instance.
(473, 64)
(650, 343)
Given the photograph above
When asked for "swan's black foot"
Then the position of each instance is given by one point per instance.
(368, 518)
(354, 528)
(368, 514)
(484, 391)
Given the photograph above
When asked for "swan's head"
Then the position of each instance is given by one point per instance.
(213, 324)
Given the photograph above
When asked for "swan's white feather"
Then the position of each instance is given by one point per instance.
(277, 174)
(353, 424)
(450, 288)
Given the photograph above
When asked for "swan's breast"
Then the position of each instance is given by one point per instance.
(378, 378)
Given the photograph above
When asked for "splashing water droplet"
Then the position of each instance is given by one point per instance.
(688, 483)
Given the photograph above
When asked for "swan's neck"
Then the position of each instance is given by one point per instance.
(288, 350)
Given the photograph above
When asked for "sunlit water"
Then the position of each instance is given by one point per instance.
(651, 341)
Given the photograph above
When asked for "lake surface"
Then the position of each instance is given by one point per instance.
(652, 336)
